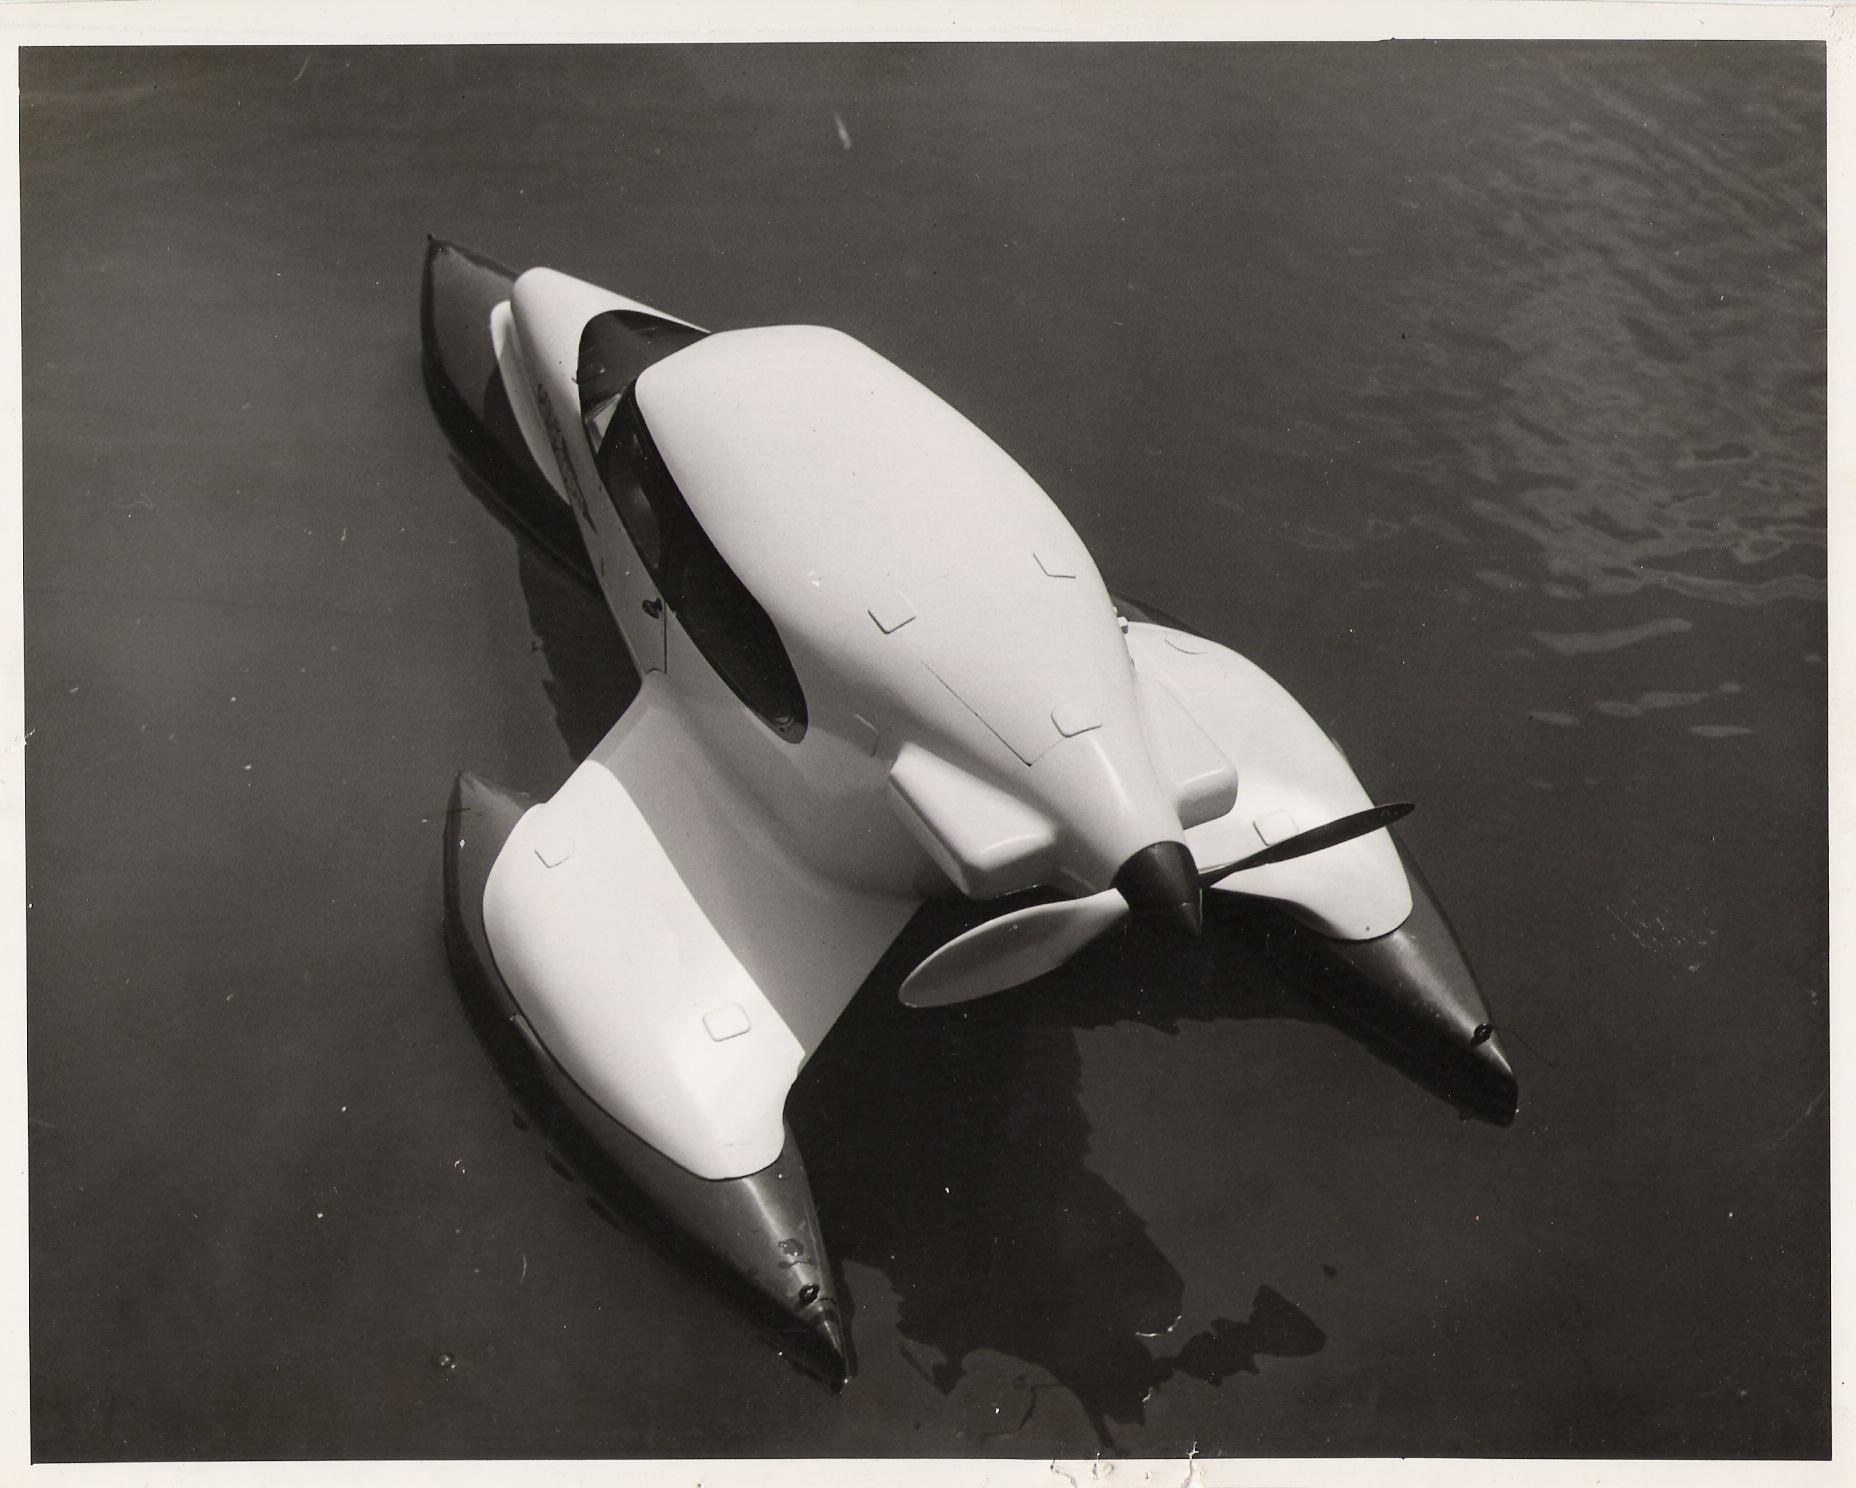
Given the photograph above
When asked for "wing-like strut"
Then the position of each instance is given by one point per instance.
(670, 969)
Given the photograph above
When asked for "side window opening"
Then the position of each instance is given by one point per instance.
(615, 346)
(599, 419)
(620, 461)
(725, 621)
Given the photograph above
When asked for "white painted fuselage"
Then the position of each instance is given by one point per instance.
(684, 921)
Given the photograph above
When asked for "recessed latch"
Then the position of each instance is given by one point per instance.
(654, 608)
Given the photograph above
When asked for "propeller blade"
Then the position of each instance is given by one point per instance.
(1023, 943)
(1011, 949)
(1315, 839)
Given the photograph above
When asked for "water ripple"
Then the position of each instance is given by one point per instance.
(1629, 370)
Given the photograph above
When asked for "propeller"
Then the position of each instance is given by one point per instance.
(1010, 949)
(1315, 839)
(1025, 941)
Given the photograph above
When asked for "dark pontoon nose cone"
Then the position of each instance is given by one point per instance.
(1501, 1091)
(824, 1349)
(1416, 986)
(1161, 885)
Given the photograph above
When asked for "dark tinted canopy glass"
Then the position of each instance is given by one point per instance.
(616, 345)
(725, 621)
(621, 460)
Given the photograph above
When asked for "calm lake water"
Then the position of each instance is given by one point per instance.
(1476, 391)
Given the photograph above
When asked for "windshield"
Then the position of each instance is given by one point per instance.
(723, 619)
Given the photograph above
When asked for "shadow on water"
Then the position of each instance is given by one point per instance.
(590, 679)
(1276, 1328)
(948, 1148)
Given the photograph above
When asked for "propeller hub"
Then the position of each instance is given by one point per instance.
(1161, 885)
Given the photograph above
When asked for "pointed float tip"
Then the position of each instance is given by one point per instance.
(835, 1339)
(1499, 1093)
(818, 1342)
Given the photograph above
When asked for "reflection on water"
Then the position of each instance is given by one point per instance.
(1651, 701)
(1633, 378)
(1589, 642)
(590, 675)
(1620, 541)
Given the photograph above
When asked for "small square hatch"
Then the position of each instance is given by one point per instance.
(552, 845)
(726, 1022)
(1073, 716)
(892, 612)
(1278, 826)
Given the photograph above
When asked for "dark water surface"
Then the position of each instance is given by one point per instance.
(1477, 391)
